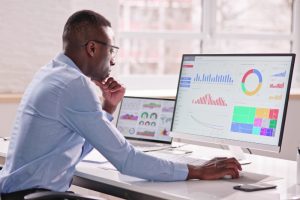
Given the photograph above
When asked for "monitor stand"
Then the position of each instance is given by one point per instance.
(239, 154)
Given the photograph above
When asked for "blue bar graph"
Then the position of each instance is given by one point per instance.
(215, 79)
(185, 82)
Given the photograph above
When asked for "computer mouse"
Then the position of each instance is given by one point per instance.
(241, 174)
(227, 177)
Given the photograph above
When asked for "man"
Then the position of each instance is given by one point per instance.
(60, 120)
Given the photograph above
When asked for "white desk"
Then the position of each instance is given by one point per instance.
(3, 147)
(264, 169)
(282, 172)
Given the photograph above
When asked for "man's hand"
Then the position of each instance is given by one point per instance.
(113, 92)
(215, 169)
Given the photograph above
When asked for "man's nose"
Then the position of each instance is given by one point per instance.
(112, 62)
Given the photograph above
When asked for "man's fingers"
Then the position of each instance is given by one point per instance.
(231, 166)
(109, 84)
(235, 162)
(233, 173)
(230, 162)
(117, 88)
(113, 85)
(214, 160)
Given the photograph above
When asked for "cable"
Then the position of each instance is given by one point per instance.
(250, 152)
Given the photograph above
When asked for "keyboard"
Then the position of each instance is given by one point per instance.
(179, 158)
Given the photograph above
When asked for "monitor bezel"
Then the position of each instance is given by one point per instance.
(191, 138)
(145, 139)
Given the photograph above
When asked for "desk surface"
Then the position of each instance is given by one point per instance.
(3, 147)
(262, 169)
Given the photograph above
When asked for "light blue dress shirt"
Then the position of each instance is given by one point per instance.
(59, 120)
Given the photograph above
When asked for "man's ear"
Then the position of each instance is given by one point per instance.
(91, 48)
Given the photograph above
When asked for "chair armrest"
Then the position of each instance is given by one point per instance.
(58, 195)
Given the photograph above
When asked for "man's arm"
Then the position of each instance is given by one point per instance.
(215, 169)
(113, 92)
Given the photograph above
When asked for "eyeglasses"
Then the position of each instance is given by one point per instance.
(113, 49)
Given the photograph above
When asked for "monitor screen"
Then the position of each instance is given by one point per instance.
(233, 99)
(147, 119)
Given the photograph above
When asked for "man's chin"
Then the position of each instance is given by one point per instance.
(100, 79)
(107, 76)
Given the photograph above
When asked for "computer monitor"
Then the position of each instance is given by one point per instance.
(238, 99)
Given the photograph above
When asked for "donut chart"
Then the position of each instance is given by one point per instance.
(248, 73)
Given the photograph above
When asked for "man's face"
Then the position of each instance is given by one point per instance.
(100, 66)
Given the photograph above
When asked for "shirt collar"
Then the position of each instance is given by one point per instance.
(61, 57)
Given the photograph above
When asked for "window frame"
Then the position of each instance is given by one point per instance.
(208, 32)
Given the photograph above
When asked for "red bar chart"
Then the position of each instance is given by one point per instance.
(208, 100)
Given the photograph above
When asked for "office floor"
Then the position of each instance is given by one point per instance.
(84, 191)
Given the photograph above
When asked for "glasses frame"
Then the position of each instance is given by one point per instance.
(113, 49)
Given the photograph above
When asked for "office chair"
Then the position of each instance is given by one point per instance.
(51, 195)
(58, 195)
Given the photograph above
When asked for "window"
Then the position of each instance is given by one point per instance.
(154, 34)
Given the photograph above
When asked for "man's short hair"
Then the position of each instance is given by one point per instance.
(82, 25)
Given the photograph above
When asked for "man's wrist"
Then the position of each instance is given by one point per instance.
(108, 107)
(194, 172)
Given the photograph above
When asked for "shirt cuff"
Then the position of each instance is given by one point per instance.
(108, 116)
(180, 171)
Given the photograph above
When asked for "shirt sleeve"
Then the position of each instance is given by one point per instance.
(82, 112)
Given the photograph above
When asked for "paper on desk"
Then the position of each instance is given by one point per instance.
(95, 156)
(107, 166)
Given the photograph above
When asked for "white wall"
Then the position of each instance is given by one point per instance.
(7, 116)
(30, 35)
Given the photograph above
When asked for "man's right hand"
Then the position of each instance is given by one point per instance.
(214, 169)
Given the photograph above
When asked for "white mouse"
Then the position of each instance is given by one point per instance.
(227, 177)
(241, 174)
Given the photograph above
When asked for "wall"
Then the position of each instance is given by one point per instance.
(30, 35)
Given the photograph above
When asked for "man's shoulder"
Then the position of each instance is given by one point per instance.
(61, 73)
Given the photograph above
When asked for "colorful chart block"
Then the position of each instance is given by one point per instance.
(262, 112)
(256, 121)
(273, 123)
(256, 130)
(273, 114)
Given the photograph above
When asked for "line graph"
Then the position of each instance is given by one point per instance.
(207, 125)
(280, 74)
